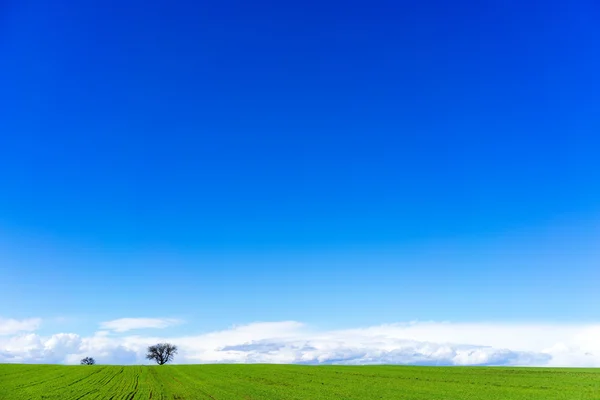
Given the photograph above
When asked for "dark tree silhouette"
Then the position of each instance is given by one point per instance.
(88, 361)
(162, 353)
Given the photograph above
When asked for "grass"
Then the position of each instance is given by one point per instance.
(295, 382)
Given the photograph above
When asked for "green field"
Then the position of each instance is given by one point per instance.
(294, 382)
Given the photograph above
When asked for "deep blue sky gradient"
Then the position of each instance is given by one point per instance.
(333, 162)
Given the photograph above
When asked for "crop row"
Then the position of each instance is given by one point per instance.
(20, 382)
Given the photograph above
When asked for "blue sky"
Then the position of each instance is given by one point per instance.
(342, 164)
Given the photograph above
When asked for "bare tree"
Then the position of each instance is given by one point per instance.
(88, 361)
(162, 353)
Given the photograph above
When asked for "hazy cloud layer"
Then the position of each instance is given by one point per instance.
(292, 342)
(128, 324)
(12, 326)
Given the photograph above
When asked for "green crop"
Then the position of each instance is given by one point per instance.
(295, 382)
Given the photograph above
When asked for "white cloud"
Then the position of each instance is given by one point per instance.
(425, 343)
(128, 324)
(12, 326)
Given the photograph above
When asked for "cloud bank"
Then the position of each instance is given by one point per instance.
(416, 343)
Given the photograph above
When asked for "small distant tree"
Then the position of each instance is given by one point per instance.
(162, 353)
(88, 361)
